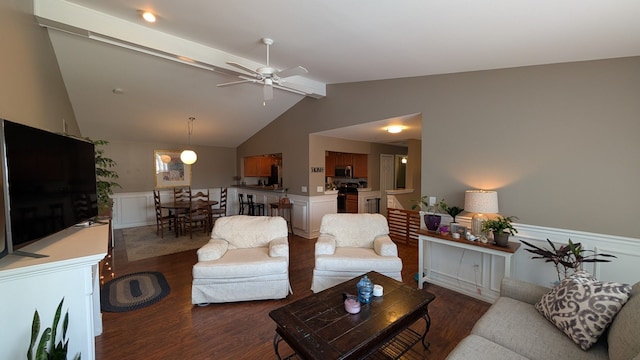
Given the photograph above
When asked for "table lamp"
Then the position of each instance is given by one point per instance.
(481, 203)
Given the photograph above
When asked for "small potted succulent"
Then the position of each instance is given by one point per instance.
(431, 219)
(453, 211)
(501, 228)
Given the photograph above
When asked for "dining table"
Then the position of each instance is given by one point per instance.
(175, 207)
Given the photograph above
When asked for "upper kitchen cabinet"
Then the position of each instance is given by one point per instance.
(344, 159)
(259, 166)
(360, 165)
(329, 164)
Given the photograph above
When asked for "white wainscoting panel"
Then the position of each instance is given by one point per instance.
(319, 206)
(455, 268)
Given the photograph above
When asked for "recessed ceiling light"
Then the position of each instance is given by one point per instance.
(394, 129)
(148, 16)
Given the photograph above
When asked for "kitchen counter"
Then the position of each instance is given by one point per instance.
(334, 192)
(259, 188)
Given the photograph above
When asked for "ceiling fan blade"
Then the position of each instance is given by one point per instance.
(268, 92)
(298, 70)
(234, 83)
(240, 66)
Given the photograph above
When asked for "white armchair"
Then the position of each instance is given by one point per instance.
(350, 245)
(247, 258)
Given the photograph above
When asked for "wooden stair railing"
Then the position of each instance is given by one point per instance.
(403, 226)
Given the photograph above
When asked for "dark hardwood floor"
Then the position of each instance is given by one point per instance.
(175, 329)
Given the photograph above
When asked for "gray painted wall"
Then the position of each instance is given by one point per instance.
(214, 168)
(31, 91)
(558, 142)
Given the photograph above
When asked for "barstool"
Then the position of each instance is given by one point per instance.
(254, 206)
(284, 205)
(242, 205)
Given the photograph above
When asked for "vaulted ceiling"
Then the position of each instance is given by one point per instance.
(130, 80)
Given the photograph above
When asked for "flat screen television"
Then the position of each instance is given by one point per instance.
(48, 184)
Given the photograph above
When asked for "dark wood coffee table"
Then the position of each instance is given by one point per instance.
(318, 327)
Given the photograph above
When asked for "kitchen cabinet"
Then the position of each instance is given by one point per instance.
(258, 166)
(360, 165)
(251, 166)
(352, 203)
(344, 159)
(329, 164)
(265, 166)
(359, 162)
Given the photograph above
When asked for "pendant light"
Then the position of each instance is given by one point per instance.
(189, 156)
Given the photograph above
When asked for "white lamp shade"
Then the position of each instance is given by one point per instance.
(481, 201)
(188, 157)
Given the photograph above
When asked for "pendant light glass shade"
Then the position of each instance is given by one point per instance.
(188, 157)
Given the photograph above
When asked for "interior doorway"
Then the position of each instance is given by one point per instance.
(387, 177)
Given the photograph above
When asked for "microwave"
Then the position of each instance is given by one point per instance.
(344, 172)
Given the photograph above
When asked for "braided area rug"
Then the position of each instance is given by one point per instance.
(133, 291)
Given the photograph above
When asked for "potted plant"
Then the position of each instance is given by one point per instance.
(47, 348)
(285, 200)
(566, 258)
(501, 228)
(105, 176)
(453, 211)
(431, 219)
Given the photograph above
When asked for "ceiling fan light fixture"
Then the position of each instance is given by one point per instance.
(394, 129)
(268, 76)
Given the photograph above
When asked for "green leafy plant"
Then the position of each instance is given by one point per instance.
(500, 225)
(439, 207)
(566, 258)
(105, 176)
(454, 211)
(46, 348)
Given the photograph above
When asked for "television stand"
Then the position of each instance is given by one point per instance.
(28, 254)
(70, 271)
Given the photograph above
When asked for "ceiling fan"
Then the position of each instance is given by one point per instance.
(269, 77)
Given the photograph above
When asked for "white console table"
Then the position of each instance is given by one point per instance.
(487, 272)
(69, 271)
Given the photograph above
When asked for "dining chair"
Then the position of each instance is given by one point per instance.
(254, 208)
(199, 216)
(181, 195)
(221, 210)
(242, 205)
(161, 219)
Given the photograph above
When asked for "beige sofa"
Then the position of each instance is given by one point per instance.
(350, 245)
(513, 329)
(247, 258)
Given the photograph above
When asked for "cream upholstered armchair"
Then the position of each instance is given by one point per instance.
(350, 245)
(247, 258)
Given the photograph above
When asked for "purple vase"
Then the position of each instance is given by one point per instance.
(432, 221)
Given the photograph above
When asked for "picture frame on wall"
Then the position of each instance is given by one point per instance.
(170, 171)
